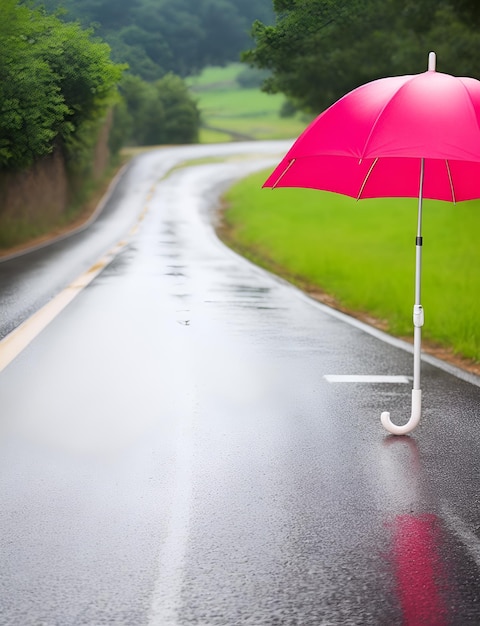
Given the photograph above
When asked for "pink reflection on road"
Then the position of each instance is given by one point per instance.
(418, 569)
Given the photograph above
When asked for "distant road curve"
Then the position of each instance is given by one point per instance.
(31, 277)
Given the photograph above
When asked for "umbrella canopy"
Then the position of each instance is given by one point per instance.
(370, 142)
(403, 136)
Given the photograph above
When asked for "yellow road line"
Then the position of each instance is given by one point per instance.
(13, 344)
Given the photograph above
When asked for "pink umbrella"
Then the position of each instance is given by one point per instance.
(403, 136)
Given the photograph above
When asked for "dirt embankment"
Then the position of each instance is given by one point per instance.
(39, 193)
(37, 200)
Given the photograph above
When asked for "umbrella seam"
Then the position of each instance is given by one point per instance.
(387, 104)
(470, 101)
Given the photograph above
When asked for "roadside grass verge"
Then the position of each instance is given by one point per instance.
(362, 255)
(230, 112)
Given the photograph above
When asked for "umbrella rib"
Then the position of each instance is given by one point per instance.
(451, 182)
(283, 173)
(366, 178)
(385, 106)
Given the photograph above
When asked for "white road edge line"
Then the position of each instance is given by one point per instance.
(468, 377)
(461, 530)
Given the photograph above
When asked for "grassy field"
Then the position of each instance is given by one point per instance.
(231, 112)
(363, 254)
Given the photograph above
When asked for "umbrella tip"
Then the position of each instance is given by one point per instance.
(432, 61)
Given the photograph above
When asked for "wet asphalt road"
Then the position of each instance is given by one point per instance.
(172, 454)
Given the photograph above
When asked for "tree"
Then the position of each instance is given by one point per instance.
(55, 80)
(181, 29)
(115, 13)
(82, 67)
(320, 49)
(468, 11)
(130, 46)
(252, 10)
(160, 112)
(32, 108)
(225, 32)
(449, 28)
(159, 36)
(182, 118)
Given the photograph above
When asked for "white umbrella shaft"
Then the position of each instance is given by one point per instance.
(418, 316)
(418, 319)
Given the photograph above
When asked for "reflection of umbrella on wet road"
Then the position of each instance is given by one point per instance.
(403, 136)
(421, 579)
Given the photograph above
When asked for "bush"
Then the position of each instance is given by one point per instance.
(182, 117)
(158, 113)
(56, 82)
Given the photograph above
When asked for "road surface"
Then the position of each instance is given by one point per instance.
(181, 444)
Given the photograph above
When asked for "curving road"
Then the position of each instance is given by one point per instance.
(180, 446)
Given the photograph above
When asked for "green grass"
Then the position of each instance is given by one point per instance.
(363, 253)
(231, 112)
(207, 135)
(216, 75)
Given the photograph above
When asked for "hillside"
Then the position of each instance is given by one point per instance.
(230, 112)
(159, 36)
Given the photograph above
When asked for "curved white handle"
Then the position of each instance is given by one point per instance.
(412, 422)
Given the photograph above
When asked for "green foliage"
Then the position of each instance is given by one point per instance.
(31, 105)
(320, 49)
(84, 72)
(156, 37)
(468, 10)
(363, 254)
(56, 83)
(158, 113)
(181, 115)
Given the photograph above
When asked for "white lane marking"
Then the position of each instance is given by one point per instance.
(461, 530)
(166, 596)
(15, 342)
(468, 377)
(353, 378)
